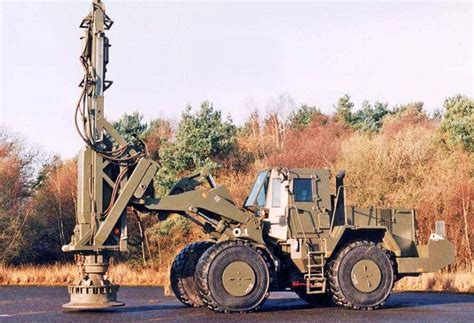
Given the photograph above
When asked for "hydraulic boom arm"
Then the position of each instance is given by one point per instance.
(114, 174)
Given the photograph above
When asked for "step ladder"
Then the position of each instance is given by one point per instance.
(315, 278)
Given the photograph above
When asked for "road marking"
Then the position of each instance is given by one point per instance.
(22, 313)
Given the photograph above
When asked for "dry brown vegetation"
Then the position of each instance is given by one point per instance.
(398, 158)
(406, 168)
(63, 275)
(458, 282)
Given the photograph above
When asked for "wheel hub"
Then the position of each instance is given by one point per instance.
(366, 276)
(238, 278)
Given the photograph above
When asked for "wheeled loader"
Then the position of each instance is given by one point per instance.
(290, 234)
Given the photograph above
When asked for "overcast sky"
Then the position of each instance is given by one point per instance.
(237, 55)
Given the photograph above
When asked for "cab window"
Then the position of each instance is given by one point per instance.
(262, 195)
(258, 193)
(276, 192)
(303, 190)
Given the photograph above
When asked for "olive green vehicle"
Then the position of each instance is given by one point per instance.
(290, 234)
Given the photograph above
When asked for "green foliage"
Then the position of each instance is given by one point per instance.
(457, 126)
(344, 109)
(413, 106)
(302, 117)
(203, 139)
(178, 222)
(437, 114)
(37, 217)
(130, 125)
(157, 135)
(370, 119)
(159, 127)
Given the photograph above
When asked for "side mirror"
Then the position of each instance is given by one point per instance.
(440, 229)
(290, 187)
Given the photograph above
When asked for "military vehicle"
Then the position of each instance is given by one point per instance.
(290, 234)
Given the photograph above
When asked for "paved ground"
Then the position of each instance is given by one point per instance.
(148, 303)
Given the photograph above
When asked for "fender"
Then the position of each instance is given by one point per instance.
(340, 234)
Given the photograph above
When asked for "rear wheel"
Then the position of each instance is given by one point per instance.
(361, 276)
(233, 276)
(182, 273)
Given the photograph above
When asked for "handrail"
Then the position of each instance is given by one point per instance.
(299, 220)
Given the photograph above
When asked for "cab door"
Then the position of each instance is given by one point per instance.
(277, 205)
(302, 210)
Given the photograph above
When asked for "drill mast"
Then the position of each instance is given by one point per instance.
(110, 172)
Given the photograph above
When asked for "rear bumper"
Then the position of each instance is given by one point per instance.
(434, 256)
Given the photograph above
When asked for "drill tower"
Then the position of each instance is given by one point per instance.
(111, 172)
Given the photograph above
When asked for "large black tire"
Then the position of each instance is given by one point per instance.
(342, 284)
(182, 273)
(210, 273)
(313, 299)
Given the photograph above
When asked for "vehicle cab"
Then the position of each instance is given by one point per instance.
(294, 203)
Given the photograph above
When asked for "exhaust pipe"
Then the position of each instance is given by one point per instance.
(340, 183)
(340, 178)
(339, 214)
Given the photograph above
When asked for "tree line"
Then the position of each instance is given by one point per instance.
(393, 156)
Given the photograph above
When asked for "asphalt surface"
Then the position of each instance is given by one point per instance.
(148, 303)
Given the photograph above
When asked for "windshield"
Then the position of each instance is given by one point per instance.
(259, 191)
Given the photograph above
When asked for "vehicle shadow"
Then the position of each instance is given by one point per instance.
(397, 300)
(144, 308)
(132, 309)
(416, 299)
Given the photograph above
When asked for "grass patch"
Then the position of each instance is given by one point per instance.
(455, 282)
(63, 275)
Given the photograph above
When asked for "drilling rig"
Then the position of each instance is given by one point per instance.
(111, 171)
(290, 234)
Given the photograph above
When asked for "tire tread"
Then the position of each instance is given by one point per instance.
(334, 289)
(202, 271)
(178, 267)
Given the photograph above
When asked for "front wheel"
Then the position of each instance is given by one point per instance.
(361, 276)
(232, 276)
(182, 273)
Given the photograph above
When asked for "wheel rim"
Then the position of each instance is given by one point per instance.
(366, 276)
(238, 278)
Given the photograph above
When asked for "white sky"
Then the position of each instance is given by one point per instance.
(165, 55)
